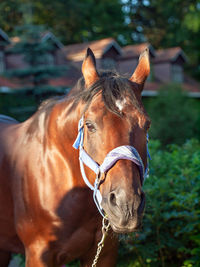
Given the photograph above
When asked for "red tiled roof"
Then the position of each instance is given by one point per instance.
(191, 88)
(169, 54)
(62, 81)
(131, 51)
(4, 82)
(152, 89)
(69, 79)
(191, 85)
(152, 86)
(76, 52)
(134, 51)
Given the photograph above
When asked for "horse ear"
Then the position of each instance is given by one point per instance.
(142, 70)
(89, 69)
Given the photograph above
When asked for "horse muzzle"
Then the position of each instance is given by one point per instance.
(124, 213)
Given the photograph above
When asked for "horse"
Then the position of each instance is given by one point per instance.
(47, 210)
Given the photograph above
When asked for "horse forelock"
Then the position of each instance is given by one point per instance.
(114, 89)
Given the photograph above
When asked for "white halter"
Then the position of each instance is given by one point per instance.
(121, 152)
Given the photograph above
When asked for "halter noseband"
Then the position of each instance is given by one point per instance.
(120, 152)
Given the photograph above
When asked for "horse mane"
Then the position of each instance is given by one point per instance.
(111, 85)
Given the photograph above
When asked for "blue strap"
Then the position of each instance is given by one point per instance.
(78, 139)
(148, 154)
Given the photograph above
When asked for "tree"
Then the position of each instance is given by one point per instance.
(162, 23)
(36, 54)
(11, 16)
(81, 20)
(71, 21)
(175, 117)
(166, 24)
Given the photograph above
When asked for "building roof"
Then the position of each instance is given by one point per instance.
(190, 86)
(68, 79)
(4, 36)
(49, 35)
(45, 36)
(134, 51)
(76, 52)
(169, 54)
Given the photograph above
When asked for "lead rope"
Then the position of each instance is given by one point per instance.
(104, 229)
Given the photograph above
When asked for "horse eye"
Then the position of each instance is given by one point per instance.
(90, 127)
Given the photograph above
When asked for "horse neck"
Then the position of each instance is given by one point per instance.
(50, 125)
(62, 125)
(61, 132)
(46, 140)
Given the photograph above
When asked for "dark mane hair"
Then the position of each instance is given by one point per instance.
(111, 85)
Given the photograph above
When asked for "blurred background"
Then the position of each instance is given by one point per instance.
(42, 45)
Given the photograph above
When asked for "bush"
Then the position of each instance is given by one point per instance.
(171, 225)
(175, 117)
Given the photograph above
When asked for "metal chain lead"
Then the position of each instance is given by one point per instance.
(105, 229)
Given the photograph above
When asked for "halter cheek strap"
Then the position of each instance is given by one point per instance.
(121, 152)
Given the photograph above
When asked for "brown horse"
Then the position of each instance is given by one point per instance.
(46, 209)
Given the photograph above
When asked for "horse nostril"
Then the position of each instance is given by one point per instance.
(112, 199)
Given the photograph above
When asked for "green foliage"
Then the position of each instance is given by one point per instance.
(166, 24)
(18, 105)
(175, 117)
(162, 23)
(10, 15)
(171, 224)
(38, 74)
(21, 104)
(71, 21)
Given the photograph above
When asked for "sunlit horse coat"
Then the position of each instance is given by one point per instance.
(46, 209)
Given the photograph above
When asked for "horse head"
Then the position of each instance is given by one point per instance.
(114, 117)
